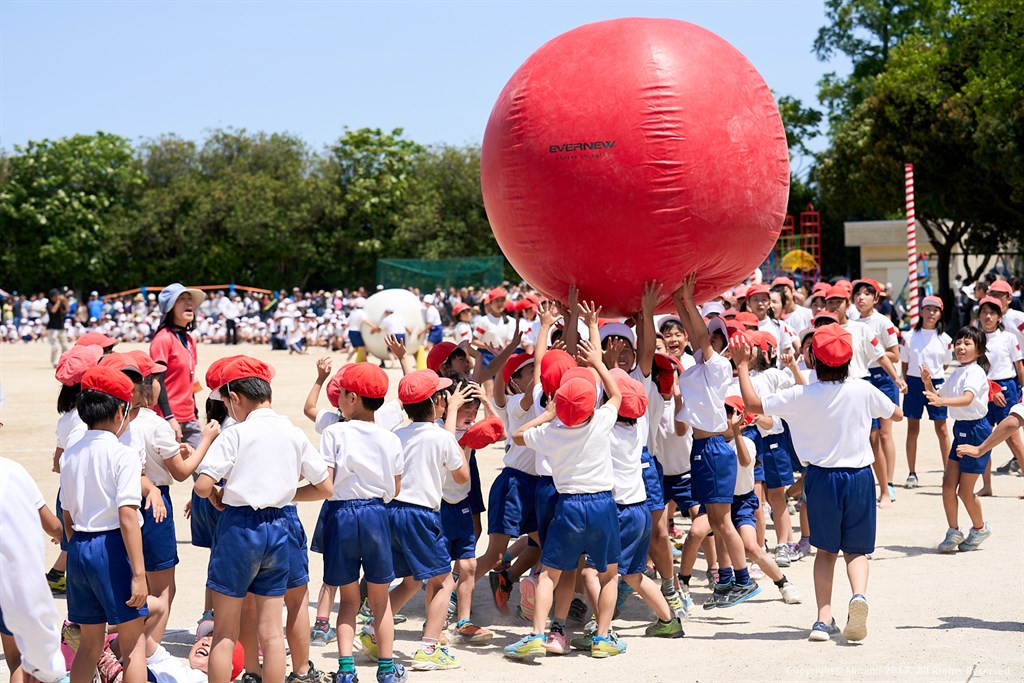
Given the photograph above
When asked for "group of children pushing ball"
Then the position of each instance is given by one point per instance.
(605, 425)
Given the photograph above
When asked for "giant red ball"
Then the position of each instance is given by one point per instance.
(630, 150)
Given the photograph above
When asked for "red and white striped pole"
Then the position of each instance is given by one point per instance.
(912, 300)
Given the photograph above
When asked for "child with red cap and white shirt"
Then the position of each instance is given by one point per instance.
(838, 485)
(578, 448)
(254, 537)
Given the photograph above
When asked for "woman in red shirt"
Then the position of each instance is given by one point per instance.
(173, 346)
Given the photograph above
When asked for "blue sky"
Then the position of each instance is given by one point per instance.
(140, 69)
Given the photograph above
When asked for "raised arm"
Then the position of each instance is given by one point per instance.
(694, 324)
(646, 338)
(548, 315)
(323, 371)
(741, 357)
(571, 334)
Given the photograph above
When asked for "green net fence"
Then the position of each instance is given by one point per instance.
(479, 271)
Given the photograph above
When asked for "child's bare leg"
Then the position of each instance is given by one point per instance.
(383, 618)
(986, 480)
(609, 580)
(132, 639)
(161, 586)
(527, 560)
(90, 648)
(824, 568)
(225, 635)
(780, 515)
(719, 515)
(699, 530)
(564, 592)
(913, 432)
(248, 635)
(755, 552)
(945, 441)
(269, 626)
(297, 627)
(403, 592)
(547, 579)
(439, 593)
(325, 601)
(857, 567)
(661, 545)
(591, 584)
(966, 493)
(496, 545)
(348, 607)
(888, 449)
(879, 469)
(759, 516)
(950, 481)
(465, 585)
(650, 593)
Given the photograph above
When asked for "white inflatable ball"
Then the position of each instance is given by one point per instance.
(406, 305)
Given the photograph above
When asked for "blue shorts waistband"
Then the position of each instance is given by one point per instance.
(846, 470)
(85, 535)
(600, 495)
(260, 513)
(642, 504)
(970, 423)
(403, 504)
(354, 503)
(708, 439)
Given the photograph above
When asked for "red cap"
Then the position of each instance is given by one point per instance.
(146, 365)
(459, 308)
(482, 434)
(820, 289)
(826, 315)
(107, 380)
(581, 373)
(513, 364)
(525, 305)
(420, 385)
(730, 313)
(75, 361)
(873, 284)
(758, 339)
(496, 293)
(552, 366)
(214, 373)
(832, 345)
(1001, 286)
(634, 398)
(334, 387)
(574, 401)
(770, 339)
(932, 301)
(439, 354)
(758, 289)
(783, 281)
(95, 339)
(244, 367)
(667, 367)
(511, 306)
(736, 403)
(837, 291)
(740, 291)
(746, 318)
(992, 301)
(120, 361)
(363, 379)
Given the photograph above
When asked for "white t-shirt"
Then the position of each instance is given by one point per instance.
(393, 324)
(929, 349)
(580, 456)
(431, 316)
(655, 410)
(883, 329)
(157, 442)
(831, 421)
(366, 459)
(1018, 410)
(522, 458)
(866, 348)
(494, 331)
(70, 429)
(769, 382)
(1013, 321)
(627, 443)
(966, 378)
(389, 416)
(1002, 351)
(745, 475)
(356, 320)
(783, 333)
(463, 332)
(800, 319)
(262, 459)
(427, 452)
(98, 475)
(531, 331)
(169, 669)
(672, 451)
(704, 388)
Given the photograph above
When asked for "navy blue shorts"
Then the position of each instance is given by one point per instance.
(841, 508)
(99, 578)
(744, 509)
(436, 335)
(457, 525)
(512, 503)
(971, 433)
(651, 470)
(679, 490)
(1011, 391)
(547, 501)
(584, 523)
(476, 494)
(3, 627)
(778, 465)
(159, 544)
(712, 470)
(317, 543)
(486, 357)
(203, 521)
(357, 533)
(634, 538)
(914, 402)
(60, 516)
(794, 459)
(355, 338)
(418, 548)
(251, 552)
(751, 433)
(881, 380)
(298, 558)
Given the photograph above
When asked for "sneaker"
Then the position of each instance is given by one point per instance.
(821, 631)
(954, 537)
(251, 678)
(471, 634)
(527, 597)
(622, 594)
(1014, 466)
(756, 572)
(719, 596)
(1008, 467)
(974, 538)
(346, 677)
(556, 642)
(606, 647)
(367, 644)
(577, 611)
(796, 553)
(58, 584)
(665, 629)
(782, 555)
(109, 667)
(501, 589)
(71, 635)
(365, 614)
(712, 575)
(678, 607)
(527, 647)
(318, 637)
(740, 593)
(892, 493)
(312, 675)
(804, 544)
(687, 604)
(396, 675)
(790, 595)
(436, 659)
(857, 621)
(584, 643)
(911, 481)
(453, 609)
(676, 552)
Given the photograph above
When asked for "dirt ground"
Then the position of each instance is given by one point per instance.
(933, 617)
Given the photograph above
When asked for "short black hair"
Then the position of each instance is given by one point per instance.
(420, 412)
(668, 324)
(67, 398)
(371, 404)
(828, 373)
(253, 388)
(625, 420)
(459, 385)
(216, 411)
(95, 407)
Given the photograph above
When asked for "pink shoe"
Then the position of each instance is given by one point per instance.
(109, 667)
(527, 596)
(556, 643)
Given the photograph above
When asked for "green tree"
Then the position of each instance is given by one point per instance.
(62, 204)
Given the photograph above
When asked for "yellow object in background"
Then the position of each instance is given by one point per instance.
(421, 358)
